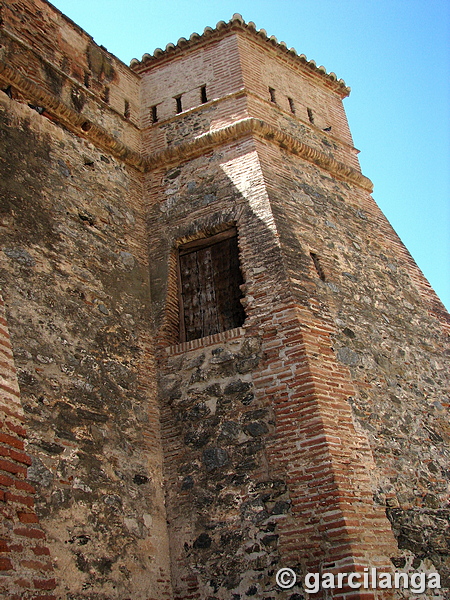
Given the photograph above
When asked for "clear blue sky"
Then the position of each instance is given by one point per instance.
(394, 54)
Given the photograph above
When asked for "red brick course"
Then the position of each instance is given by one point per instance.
(15, 555)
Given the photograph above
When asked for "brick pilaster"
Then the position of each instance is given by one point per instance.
(334, 525)
(25, 564)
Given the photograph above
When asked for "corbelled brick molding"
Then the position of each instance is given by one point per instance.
(262, 130)
(69, 118)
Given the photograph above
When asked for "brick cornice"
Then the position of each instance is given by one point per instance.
(264, 131)
(69, 118)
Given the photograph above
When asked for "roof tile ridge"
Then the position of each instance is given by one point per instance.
(237, 22)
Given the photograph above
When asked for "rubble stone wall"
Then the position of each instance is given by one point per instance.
(74, 274)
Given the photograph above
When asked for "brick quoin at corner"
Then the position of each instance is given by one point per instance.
(217, 358)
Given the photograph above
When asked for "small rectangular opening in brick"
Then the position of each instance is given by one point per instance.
(291, 105)
(272, 94)
(126, 110)
(179, 106)
(154, 110)
(203, 94)
(310, 115)
(317, 266)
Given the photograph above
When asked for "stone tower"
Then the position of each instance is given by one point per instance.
(218, 358)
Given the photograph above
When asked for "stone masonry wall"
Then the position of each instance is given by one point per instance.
(74, 275)
(314, 437)
(223, 503)
(386, 331)
(260, 464)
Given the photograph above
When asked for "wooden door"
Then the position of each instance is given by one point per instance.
(210, 277)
